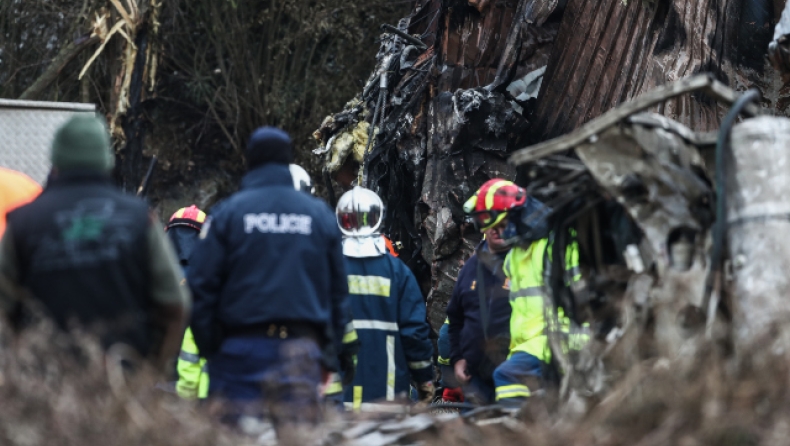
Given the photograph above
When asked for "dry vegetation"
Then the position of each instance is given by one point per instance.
(222, 68)
(58, 389)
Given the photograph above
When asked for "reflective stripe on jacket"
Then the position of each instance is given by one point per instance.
(389, 318)
(192, 375)
(524, 268)
(443, 343)
(350, 348)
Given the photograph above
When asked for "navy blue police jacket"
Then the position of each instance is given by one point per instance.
(268, 253)
(463, 311)
(389, 316)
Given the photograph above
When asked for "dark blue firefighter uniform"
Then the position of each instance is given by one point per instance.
(465, 328)
(389, 317)
(270, 290)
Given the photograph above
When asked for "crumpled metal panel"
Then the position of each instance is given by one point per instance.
(779, 48)
(27, 129)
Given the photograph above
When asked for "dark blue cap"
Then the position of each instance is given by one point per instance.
(269, 145)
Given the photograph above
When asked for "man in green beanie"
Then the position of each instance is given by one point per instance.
(86, 252)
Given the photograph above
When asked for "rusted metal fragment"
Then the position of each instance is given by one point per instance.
(779, 48)
(610, 51)
(696, 84)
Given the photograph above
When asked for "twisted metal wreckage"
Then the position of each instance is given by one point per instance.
(671, 223)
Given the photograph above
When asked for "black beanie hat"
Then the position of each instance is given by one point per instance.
(269, 145)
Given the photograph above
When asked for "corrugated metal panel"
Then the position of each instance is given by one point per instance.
(610, 51)
(26, 131)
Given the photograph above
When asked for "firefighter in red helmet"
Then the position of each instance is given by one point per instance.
(184, 230)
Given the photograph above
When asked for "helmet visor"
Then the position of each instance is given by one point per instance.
(355, 221)
(485, 219)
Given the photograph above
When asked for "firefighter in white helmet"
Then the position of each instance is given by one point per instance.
(387, 307)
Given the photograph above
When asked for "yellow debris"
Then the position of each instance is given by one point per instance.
(349, 142)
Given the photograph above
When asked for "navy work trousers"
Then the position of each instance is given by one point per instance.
(260, 375)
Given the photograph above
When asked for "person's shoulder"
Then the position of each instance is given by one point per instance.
(220, 206)
(130, 201)
(469, 265)
(322, 213)
(397, 264)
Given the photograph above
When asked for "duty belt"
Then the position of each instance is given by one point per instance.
(278, 330)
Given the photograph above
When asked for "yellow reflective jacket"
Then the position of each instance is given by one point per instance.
(524, 269)
(192, 375)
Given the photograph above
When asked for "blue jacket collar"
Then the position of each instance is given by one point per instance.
(271, 174)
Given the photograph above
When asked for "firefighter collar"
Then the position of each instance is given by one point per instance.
(361, 247)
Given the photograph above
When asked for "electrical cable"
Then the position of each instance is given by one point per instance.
(720, 226)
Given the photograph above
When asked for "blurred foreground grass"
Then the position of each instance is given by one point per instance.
(63, 390)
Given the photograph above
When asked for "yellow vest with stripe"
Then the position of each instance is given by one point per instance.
(192, 376)
(524, 269)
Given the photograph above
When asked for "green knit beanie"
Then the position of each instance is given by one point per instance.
(83, 142)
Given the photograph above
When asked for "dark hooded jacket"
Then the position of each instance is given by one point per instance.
(467, 340)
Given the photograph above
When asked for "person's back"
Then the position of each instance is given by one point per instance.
(270, 291)
(389, 316)
(276, 242)
(81, 250)
(89, 253)
(387, 307)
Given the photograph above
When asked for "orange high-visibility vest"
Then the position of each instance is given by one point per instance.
(16, 189)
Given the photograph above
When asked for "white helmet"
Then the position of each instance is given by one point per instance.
(301, 178)
(359, 212)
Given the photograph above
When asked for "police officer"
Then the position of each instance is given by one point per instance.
(270, 289)
(387, 307)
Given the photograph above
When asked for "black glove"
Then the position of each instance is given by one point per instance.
(348, 367)
(425, 392)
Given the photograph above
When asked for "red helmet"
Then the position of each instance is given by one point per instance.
(190, 216)
(489, 205)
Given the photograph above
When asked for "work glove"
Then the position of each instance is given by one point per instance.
(425, 392)
(453, 395)
(348, 367)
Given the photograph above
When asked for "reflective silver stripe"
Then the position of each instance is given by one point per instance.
(390, 368)
(349, 327)
(373, 285)
(419, 364)
(375, 325)
(189, 357)
(376, 407)
(533, 291)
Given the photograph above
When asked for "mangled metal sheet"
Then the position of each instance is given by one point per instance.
(635, 191)
(779, 48)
